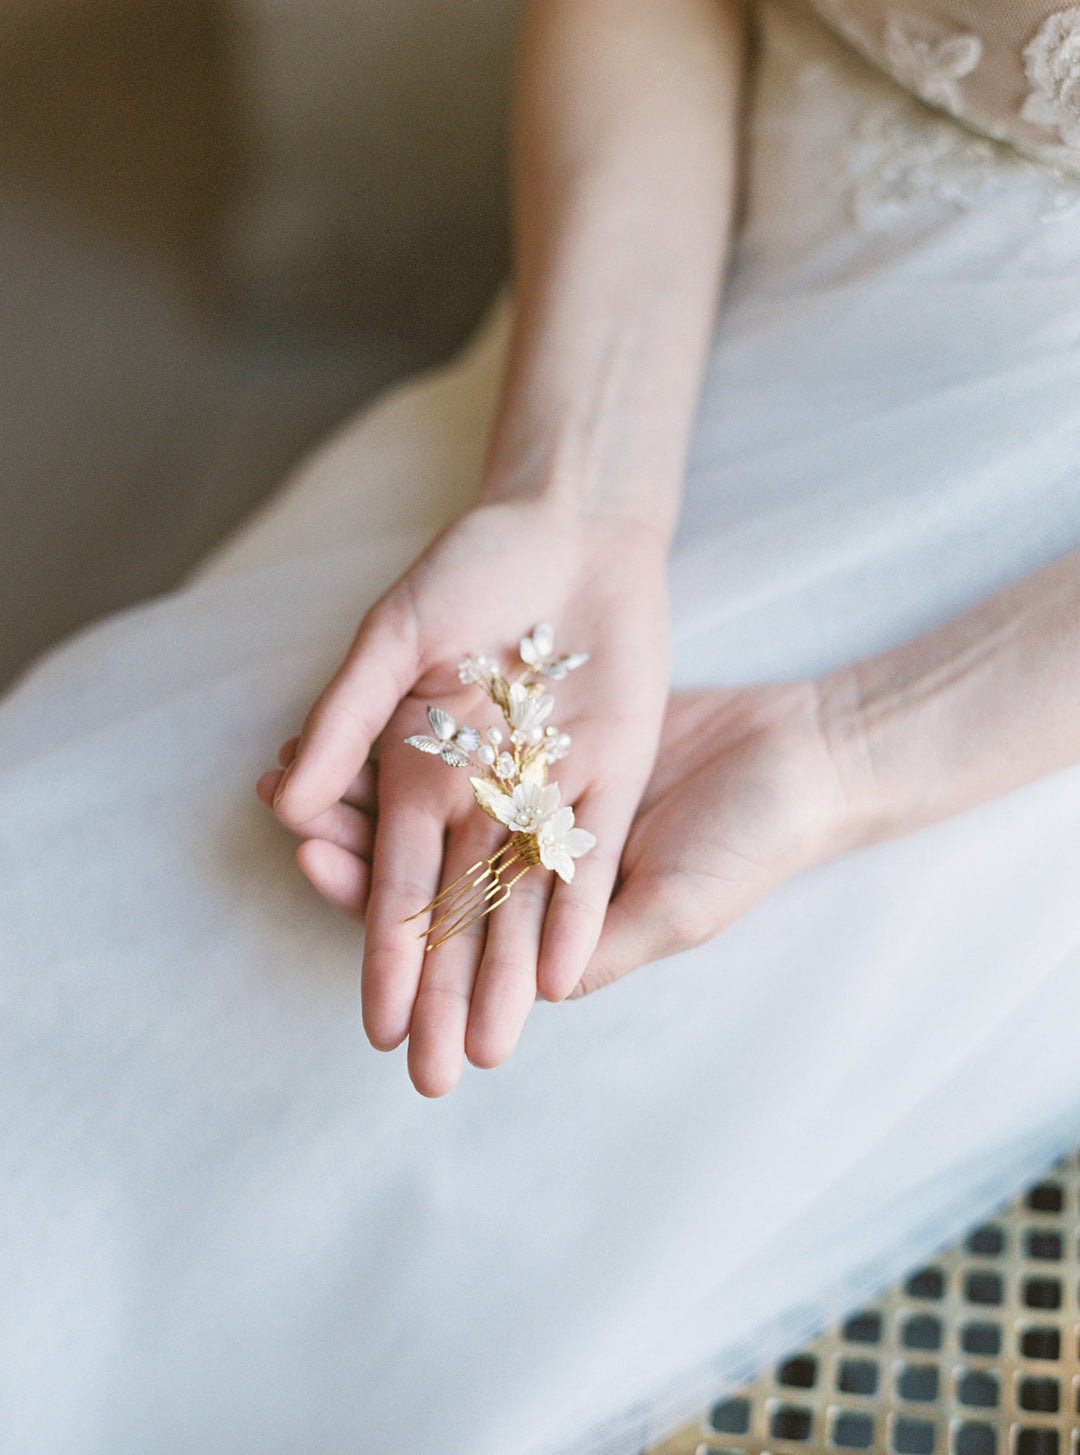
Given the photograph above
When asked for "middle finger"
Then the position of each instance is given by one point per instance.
(441, 1010)
(505, 989)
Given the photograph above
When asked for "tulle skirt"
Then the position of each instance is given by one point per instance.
(229, 1226)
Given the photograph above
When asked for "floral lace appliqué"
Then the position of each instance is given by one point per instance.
(929, 60)
(1052, 62)
(903, 158)
(895, 163)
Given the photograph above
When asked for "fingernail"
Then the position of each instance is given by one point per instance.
(281, 786)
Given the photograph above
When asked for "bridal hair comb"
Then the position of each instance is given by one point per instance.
(510, 782)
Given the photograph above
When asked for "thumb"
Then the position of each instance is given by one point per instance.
(643, 923)
(380, 668)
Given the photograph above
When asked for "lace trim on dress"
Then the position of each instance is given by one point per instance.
(1011, 82)
(929, 59)
(894, 156)
(1052, 63)
(901, 158)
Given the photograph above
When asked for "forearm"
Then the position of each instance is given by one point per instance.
(625, 156)
(980, 706)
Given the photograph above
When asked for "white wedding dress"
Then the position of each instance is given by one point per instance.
(227, 1225)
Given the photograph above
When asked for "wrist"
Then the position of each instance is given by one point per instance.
(973, 709)
(595, 418)
(867, 815)
(623, 520)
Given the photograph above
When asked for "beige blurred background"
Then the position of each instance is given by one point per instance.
(223, 225)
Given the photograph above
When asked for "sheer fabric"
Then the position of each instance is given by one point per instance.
(228, 1225)
(1011, 70)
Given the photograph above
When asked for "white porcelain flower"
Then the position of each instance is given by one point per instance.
(538, 652)
(453, 744)
(476, 668)
(556, 744)
(1052, 63)
(528, 808)
(560, 843)
(509, 785)
(527, 712)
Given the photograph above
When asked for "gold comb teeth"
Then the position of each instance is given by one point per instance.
(479, 890)
(510, 782)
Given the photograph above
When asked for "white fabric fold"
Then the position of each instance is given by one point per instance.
(230, 1226)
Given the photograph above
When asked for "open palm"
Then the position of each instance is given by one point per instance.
(383, 840)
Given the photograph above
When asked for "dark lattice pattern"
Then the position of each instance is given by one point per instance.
(976, 1354)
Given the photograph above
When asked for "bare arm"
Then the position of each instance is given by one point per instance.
(982, 705)
(754, 784)
(626, 157)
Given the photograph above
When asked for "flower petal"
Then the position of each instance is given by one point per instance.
(527, 709)
(425, 744)
(527, 795)
(442, 724)
(578, 842)
(553, 855)
(556, 668)
(517, 704)
(560, 843)
(544, 638)
(454, 756)
(559, 823)
(547, 801)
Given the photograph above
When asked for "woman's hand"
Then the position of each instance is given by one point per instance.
(754, 784)
(746, 793)
(625, 158)
(484, 583)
